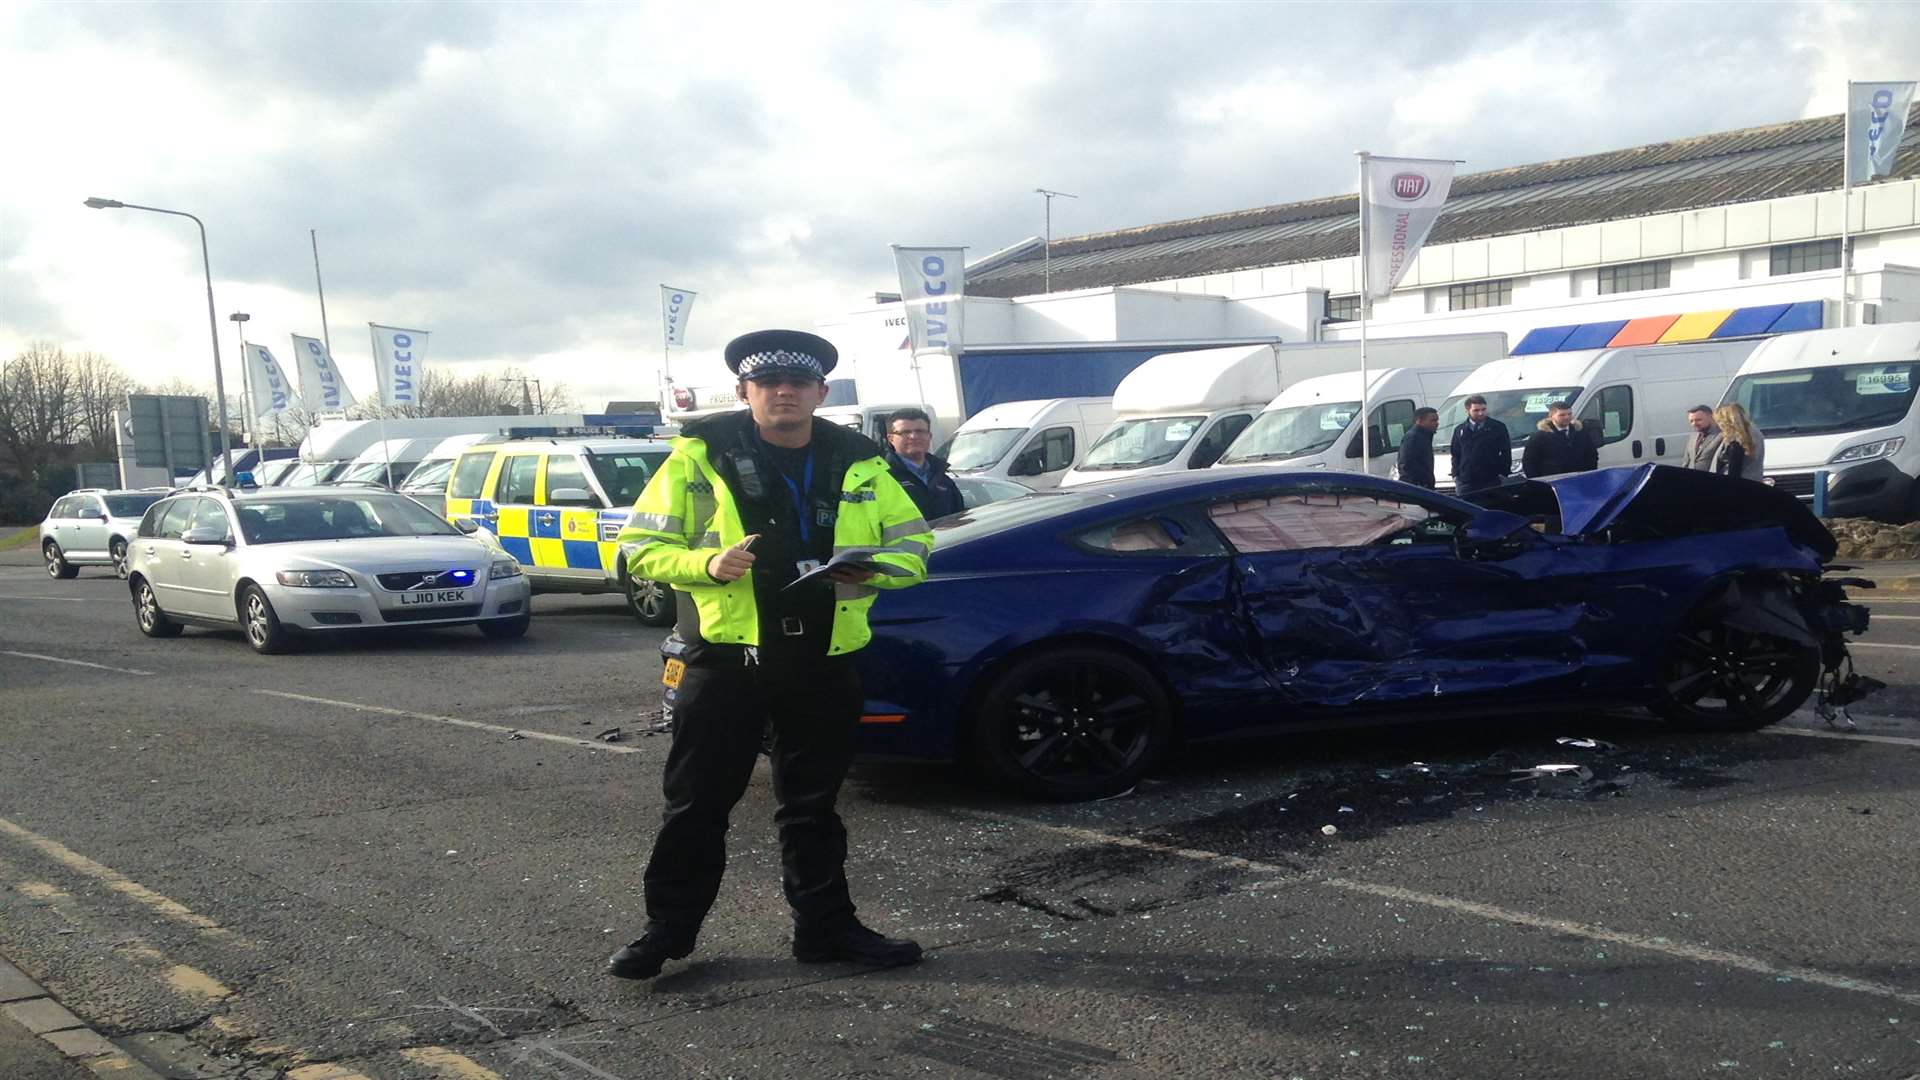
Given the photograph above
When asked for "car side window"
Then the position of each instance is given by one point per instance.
(211, 516)
(516, 480)
(1386, 430)
(1608, 415)
(174, 522)
(564, 471)
(1056, 448)
(150, 521)
(470, 475)
(1169, 532)
(1318, 519)
(60, 508)
(1217, 439)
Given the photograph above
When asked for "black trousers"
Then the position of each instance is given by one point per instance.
(720, 718)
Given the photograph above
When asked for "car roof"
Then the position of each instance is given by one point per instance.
(602, 444)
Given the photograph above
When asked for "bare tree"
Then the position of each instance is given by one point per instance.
(39, 411)
(100, 387)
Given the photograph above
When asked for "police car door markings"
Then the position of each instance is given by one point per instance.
(498, 729)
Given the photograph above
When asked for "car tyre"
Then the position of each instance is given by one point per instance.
(650, 601)
(1072, 723)
(513, 626)
(260, 624)
(118, 549)
(1716, 677)
(57, 564)
(146, 612)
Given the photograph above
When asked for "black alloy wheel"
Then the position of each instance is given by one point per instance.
(146, 611)
(1717, 677)
(57, 564)
(650, 601)
(1072, 723)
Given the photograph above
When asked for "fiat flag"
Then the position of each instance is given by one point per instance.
(1399, 199)
(1876, 118)
(321, 387)
(399, 363)
(932, 282)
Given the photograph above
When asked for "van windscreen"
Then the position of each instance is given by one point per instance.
(1521, 410)
(1824, 400)
(1291, 432)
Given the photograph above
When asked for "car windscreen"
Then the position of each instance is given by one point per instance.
(1823, 400)
(981, 448)
(624, 474)
(996, 516)
(1520, 410)
(1134, 444)
(1293, 431)
(126, 506)
(346, 516)
(430, 475)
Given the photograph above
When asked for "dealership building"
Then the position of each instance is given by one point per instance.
(1729, 234)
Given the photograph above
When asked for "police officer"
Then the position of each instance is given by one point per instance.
(748, 502)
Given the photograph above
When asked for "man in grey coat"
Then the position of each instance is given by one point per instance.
(1704, 441)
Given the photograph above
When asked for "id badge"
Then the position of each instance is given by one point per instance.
(807, 566)
(671, 676)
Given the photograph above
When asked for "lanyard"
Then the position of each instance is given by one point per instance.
(799, 492)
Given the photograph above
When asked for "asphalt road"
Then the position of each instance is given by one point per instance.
(342, 863)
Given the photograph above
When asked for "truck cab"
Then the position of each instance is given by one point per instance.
(1029, 442)
(1314, 424)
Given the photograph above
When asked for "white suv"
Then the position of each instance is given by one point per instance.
(92, 527)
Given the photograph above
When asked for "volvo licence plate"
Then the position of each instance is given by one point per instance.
(438, 596)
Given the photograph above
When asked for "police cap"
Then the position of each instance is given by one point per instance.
(784, 352)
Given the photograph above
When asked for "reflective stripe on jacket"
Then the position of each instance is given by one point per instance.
(687, 515)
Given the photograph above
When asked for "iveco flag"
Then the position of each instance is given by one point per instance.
(399, 361)
(272, 394)
(321, 387)
(676, 306)
(933, 283)
(1876, 117)
(1400, 198)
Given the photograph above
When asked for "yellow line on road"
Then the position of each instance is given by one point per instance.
(111, 878)
(196, 983)
(325, 1072)
(584, 744)
(448, 1065)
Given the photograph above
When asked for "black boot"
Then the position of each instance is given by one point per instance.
(855, 944)
(643, 958)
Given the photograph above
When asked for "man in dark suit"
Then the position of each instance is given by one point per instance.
(1482, 450)
(1560, 445)
(1416, 450)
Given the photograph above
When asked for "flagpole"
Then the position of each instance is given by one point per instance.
(373, 334)
(1366, 302)
(666, 354)
(1846, 207)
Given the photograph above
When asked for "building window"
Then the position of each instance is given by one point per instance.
(1343, 308)
(1636, 277)
(1801, 258)
(1480, 294)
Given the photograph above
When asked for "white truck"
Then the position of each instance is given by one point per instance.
(1632, 400)
(1028, 442)
(871, 420)
(1314, 424)
(1840, 402)
(1182, 410)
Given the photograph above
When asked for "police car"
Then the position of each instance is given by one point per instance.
(556, 506)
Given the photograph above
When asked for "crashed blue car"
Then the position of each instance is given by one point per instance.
(1065, 641)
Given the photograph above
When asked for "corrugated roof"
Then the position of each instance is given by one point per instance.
(1708, 170)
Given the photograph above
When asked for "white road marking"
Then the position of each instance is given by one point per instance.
(1881, 645)
(1852, 736)
(585, 744)
(1896, 618)
(75, 663)
(1679, 950)
(84, 599)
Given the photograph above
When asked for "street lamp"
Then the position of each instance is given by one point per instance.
(247, 407)
(213, 321)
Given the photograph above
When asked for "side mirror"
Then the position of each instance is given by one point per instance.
(210, 537)
(571, 496)
(467, 525)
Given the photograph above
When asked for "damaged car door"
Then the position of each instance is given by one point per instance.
(1366, 597)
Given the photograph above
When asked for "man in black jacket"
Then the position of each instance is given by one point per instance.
(1561, 445)
(1416, 450)
(1482, 450)
(921, 472)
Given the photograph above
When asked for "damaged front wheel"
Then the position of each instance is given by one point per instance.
(1072, 723)
(1719, 677)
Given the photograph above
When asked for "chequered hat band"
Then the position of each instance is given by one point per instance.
(780, 360)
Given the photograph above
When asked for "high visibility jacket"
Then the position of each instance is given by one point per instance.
(687, 515)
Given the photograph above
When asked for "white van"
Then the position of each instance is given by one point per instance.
(1182, 410)
(388, 462)
(1029, 442)
(1839, 401)
(1313, 423)
(871, 420)
(427, 483)
(1633, 400)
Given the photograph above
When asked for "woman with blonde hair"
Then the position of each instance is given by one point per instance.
(1742, 451)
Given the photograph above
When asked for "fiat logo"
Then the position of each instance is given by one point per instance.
(1409, 186)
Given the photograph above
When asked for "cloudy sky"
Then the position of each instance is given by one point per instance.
(519, 178)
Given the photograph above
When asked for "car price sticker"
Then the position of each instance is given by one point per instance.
(434, 596)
